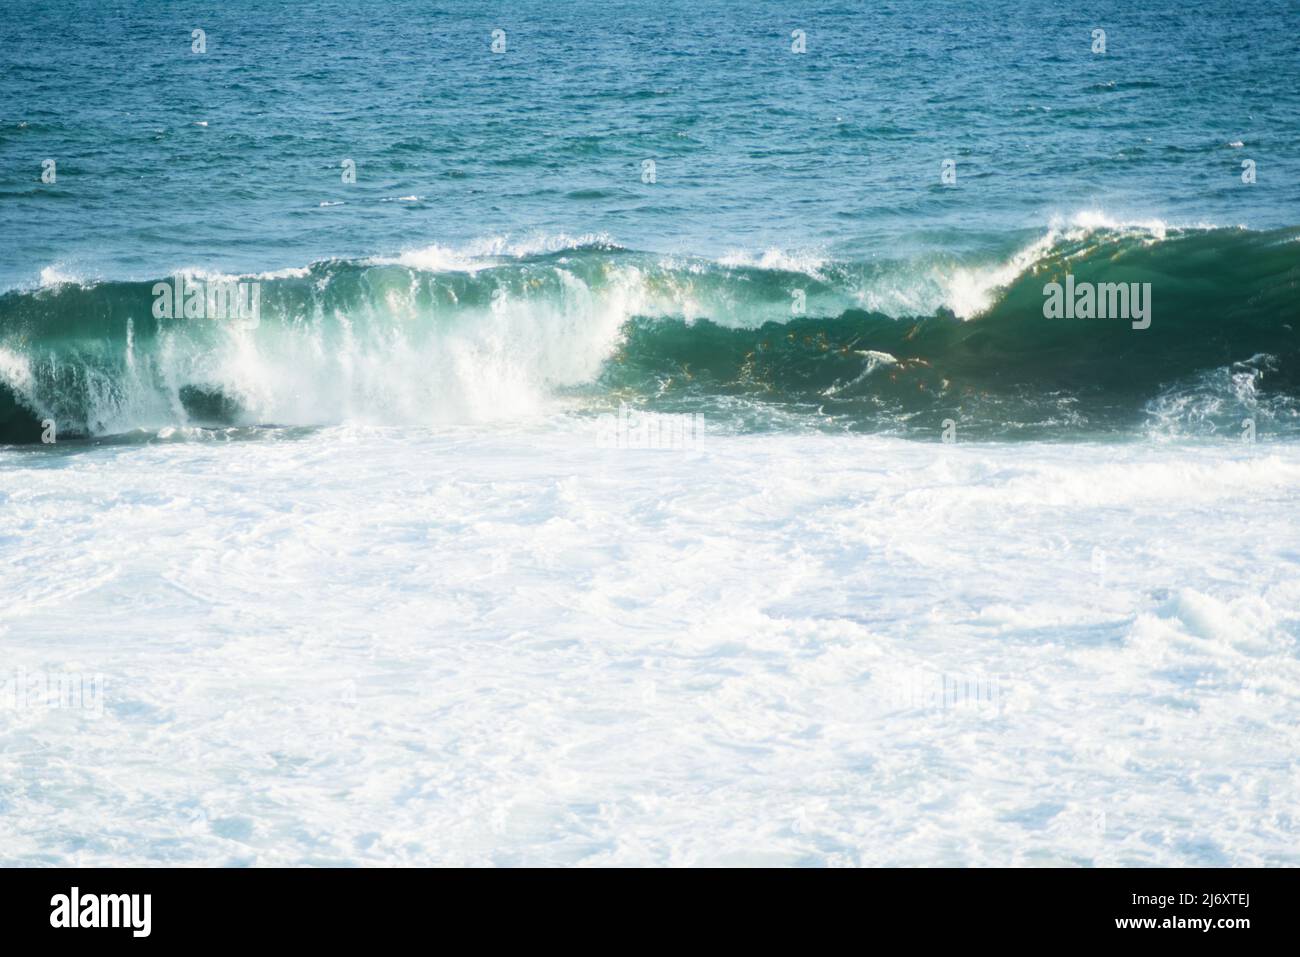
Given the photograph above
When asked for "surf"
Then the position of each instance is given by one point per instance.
(497, 333)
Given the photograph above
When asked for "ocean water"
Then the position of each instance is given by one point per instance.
(649, 445)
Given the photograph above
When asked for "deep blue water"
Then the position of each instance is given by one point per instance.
(838, 149)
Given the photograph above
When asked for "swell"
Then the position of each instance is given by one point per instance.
(1222, 346)
(436, 337)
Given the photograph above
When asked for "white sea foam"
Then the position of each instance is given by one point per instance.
(56, 275)
(435, 258)
(489, 250)
(16, 371)
(216, 276)
(809, 262)
(508, 646)
(969, 291)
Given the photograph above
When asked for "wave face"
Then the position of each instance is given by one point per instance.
(437, 337)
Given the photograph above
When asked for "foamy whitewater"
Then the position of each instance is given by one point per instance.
(461, 646)
(549, 514)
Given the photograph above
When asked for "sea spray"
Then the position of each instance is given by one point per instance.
(503, 337)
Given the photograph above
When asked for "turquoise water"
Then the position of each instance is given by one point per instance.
(776, 174)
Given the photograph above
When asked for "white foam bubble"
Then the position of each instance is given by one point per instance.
(810, 262)
(378, 645)
(57, 275)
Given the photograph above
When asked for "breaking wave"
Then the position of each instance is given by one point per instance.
(773, 340)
